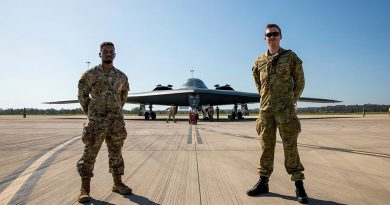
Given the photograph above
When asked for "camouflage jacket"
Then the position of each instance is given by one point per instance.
(103, 94)
(172, 110)
(279, 85)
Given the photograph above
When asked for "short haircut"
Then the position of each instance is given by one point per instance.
(272, 25)
(105, 44)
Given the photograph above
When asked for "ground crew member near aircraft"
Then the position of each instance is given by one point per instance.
(172, 113)
(217, 112)
(279, 78)
(102, 93)
(210, 113)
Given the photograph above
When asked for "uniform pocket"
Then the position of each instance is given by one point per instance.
(124, 133)
(118, 86)
(260, 124)
(290, 126)
(263, 73)
(99, 86)
(283, 69)
(88, 133)
(119, 130)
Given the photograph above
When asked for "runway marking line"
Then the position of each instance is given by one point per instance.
(193, 135)
(189, 139)
(198, 137)
(10, 191)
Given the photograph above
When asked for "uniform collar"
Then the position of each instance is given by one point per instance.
(101, 68)
(280, 51)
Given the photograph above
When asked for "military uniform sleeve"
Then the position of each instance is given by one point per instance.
(256, 76)
(298, 77)
(83, 93)
(125, 92)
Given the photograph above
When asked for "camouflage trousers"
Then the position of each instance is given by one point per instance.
(289, 127)
(173, 117)
(94, 133)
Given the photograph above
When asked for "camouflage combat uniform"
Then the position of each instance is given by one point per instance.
(280, 84)
(172, 113)
(102, 95)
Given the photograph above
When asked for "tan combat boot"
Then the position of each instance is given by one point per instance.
(84, 190)
(119, 186)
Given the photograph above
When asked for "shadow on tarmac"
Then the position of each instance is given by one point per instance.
(335, 149)
(140, 199)
(95, 201)
(292, 198)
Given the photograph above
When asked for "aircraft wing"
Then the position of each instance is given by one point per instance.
(179, 97)
(317, 100)
(62, 102)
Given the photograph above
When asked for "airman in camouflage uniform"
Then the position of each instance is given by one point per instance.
(172, 113)
(279, 78)
(102, 94)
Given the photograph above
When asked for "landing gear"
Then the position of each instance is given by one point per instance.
(232, 116)
(147, 115)
(141, 110)
(239, 116)
(236, 114)
(150, 114)
(244, 109)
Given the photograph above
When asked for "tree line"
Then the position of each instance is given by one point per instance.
(308, 110)
(346, 109)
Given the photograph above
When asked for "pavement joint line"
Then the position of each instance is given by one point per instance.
(197, 171)
(7, 194)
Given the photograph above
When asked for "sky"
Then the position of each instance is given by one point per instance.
(45, 45)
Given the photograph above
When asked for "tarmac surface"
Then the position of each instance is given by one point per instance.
(347, 161)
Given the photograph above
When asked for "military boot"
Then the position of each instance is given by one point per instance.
(301, 193)
(119, 186)
(84, 190)
(260, 187)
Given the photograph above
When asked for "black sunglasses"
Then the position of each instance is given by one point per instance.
(274, 34)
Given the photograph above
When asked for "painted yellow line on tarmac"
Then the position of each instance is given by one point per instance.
(10, 191)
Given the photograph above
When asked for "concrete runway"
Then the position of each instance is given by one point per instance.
(347, 161)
